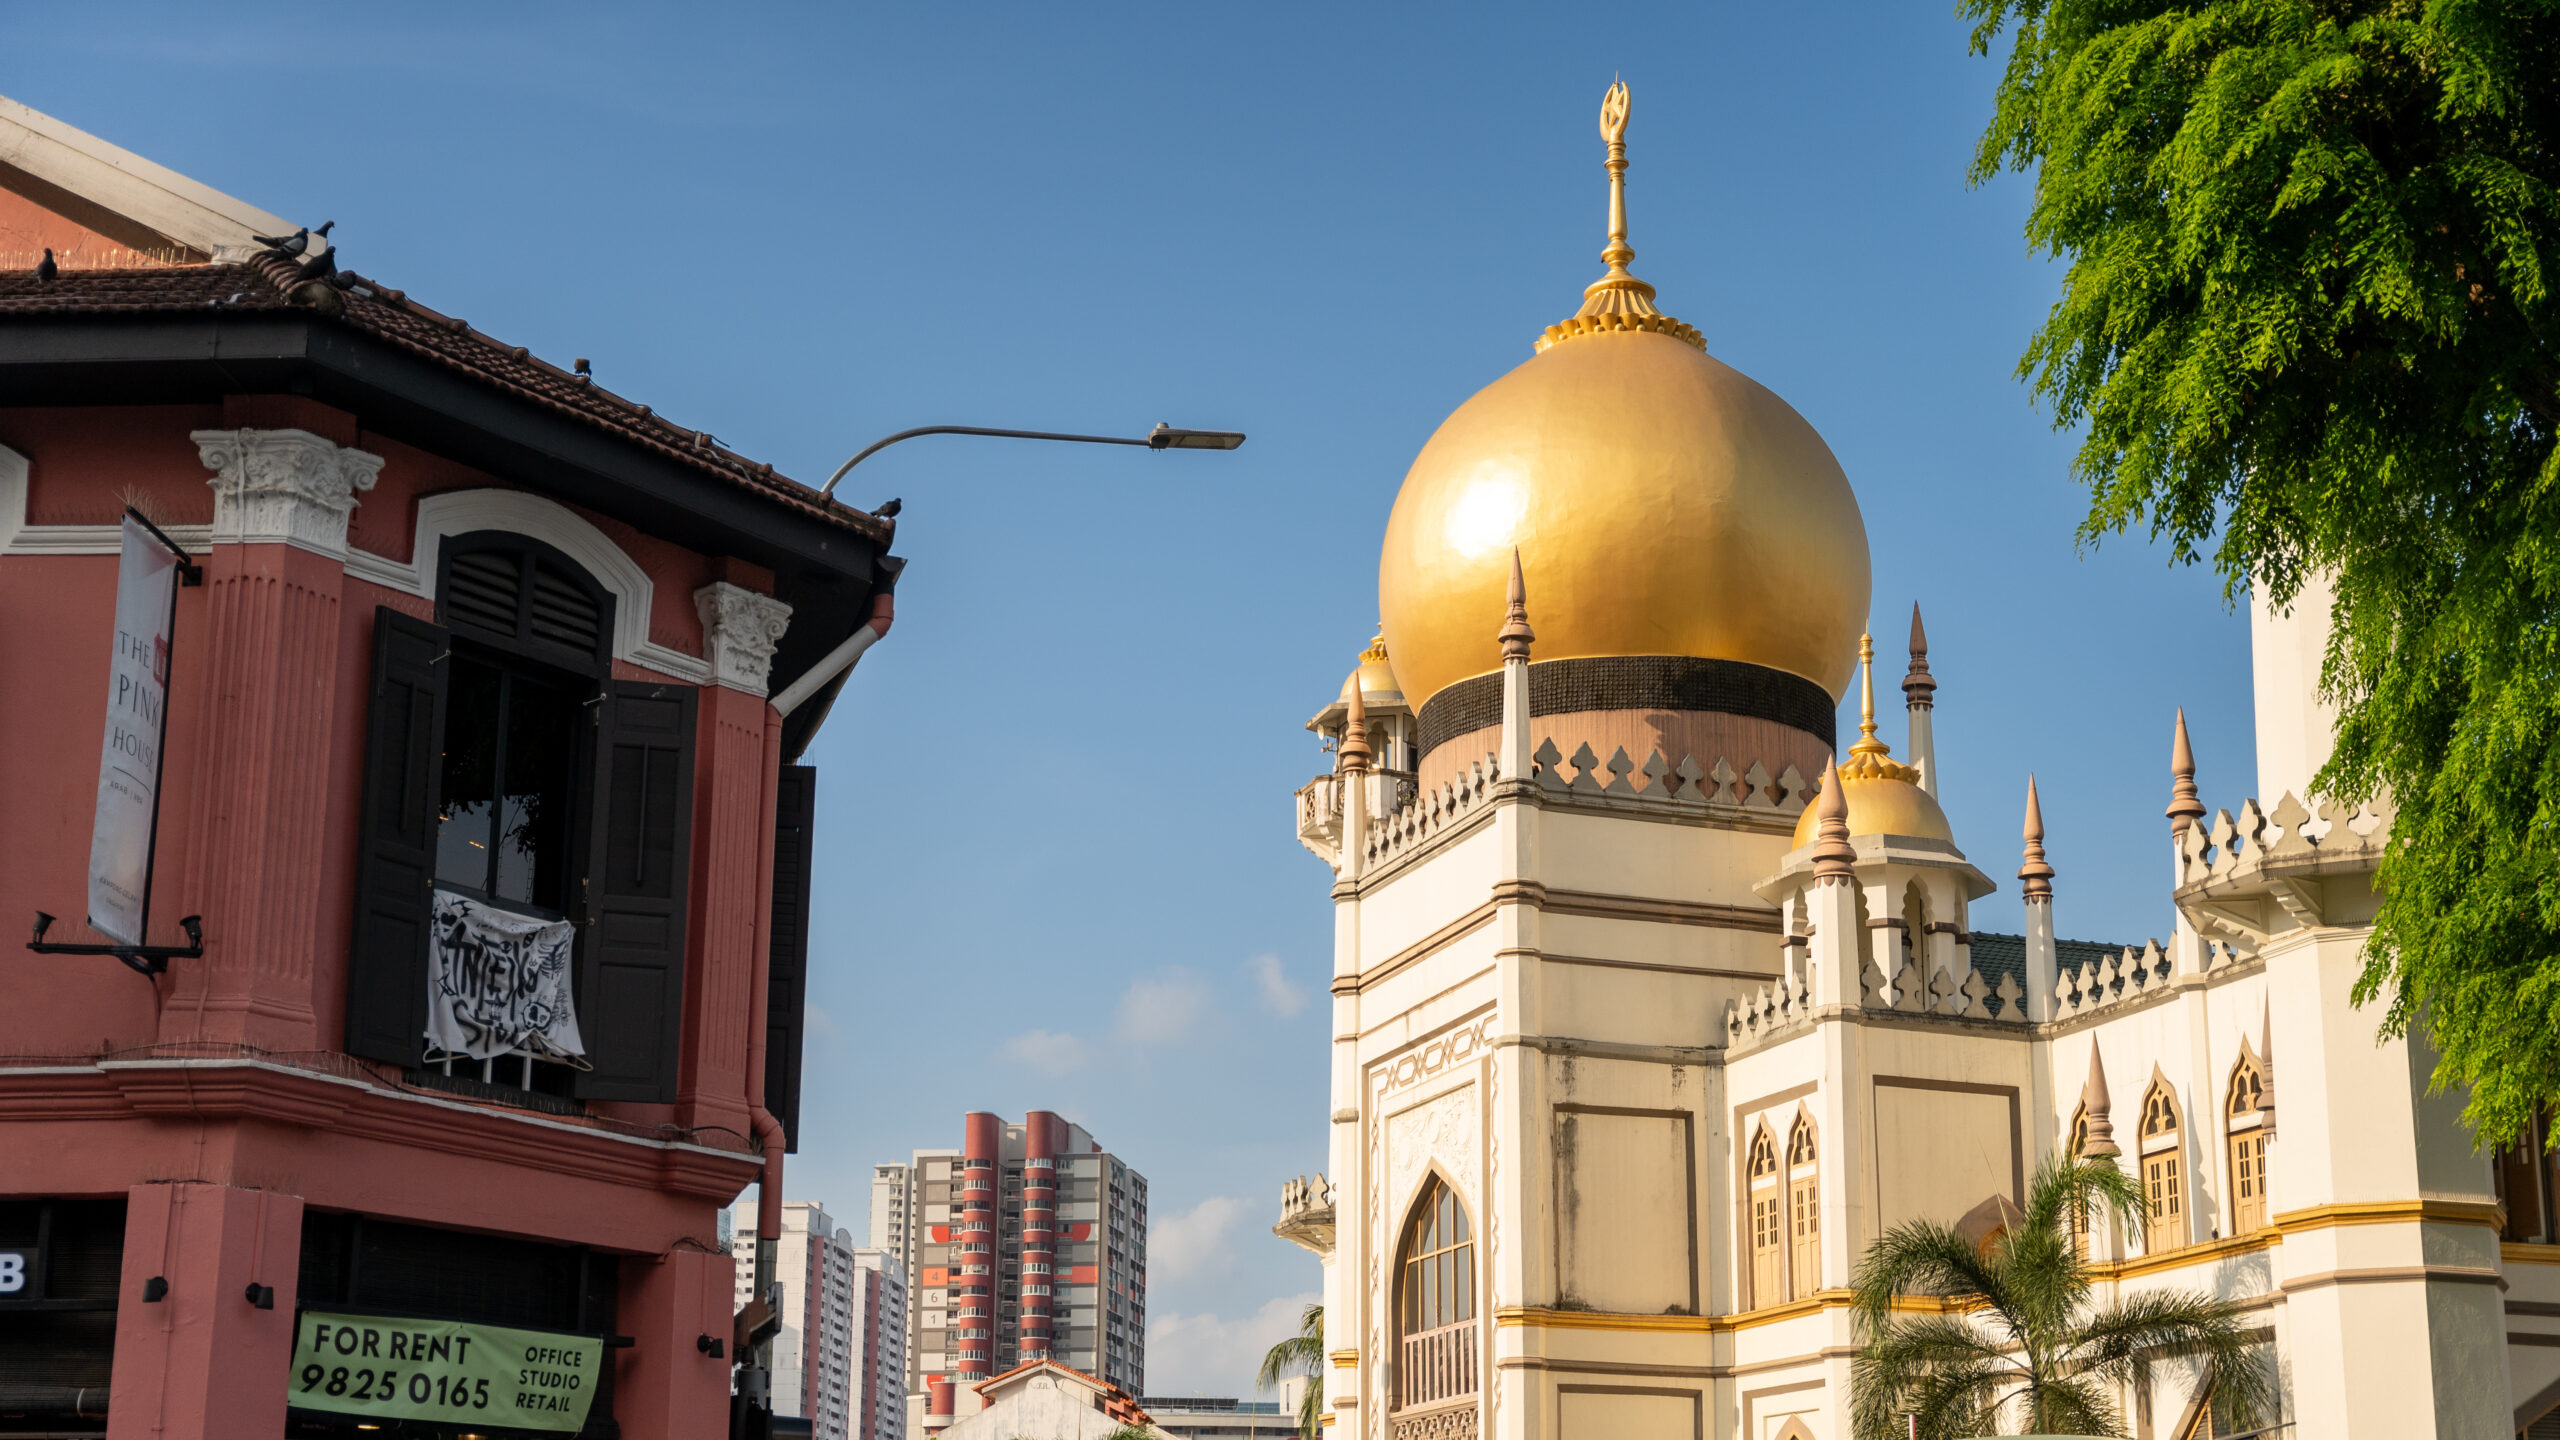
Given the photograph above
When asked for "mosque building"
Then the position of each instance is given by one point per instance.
(1649, 1020)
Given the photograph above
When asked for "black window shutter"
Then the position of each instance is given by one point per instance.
(631, 1001)
(396, 851)
(795, 814)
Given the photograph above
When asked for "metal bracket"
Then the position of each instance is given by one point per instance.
(143, 959)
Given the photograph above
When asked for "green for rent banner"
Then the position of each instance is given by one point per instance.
(443, 1370)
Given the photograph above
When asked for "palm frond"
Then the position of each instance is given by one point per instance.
(2177, 1323)
(1923, 1258)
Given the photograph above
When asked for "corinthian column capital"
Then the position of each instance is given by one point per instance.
(284, 487)
(739, 630)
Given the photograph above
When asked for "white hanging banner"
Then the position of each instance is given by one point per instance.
(498, 984)
(137, 721)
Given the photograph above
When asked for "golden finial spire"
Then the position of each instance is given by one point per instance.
(1867, 744)
(1871, 758)
(1618, 300)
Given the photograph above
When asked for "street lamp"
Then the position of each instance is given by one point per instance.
(1163, 437)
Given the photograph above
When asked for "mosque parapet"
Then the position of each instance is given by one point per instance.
(2256, 876)
(1306, 1215)
(1684, 784)
(1320, 817)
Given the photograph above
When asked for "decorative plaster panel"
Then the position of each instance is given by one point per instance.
(739, 630)
(284, 486)
(1444, 1130)
(1436, 1055)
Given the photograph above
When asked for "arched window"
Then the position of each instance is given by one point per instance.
(1768, 1221)
(2246, 1123)
(2079, 1142)
(2164, 1171)
(1915, 935)
(1436, 1301)
(1804, 1213)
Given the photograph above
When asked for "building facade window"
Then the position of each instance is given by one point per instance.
(1436, 1301)
(1767, 1199)
(1804, 1213)
(504, 765)
(2164, 1178)
(2245, 1118)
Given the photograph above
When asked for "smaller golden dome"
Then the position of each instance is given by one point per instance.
(1884, 794)
(1377, 679)
(1883, 805)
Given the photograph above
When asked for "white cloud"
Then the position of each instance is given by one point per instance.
(1046, 1051)
(1192, 1245)
(1208, 1355)
(1163, 1008)
(1278, 996)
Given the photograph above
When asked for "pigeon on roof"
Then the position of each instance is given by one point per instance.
(46, 269)
(295, 243)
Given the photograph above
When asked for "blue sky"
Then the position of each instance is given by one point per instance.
(1056, 861)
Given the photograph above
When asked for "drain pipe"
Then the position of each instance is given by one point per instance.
(841, 658)
(756, 1380)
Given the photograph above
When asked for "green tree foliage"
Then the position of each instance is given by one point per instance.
(2009, 1334)
(1301, 1354)
(2309, 328)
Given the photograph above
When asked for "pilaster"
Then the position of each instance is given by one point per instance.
(272, 650)
(204, 1362)
(666, 1386)
(733, 795)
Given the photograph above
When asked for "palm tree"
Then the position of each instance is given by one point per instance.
(1301, 1354)
(2015, 1333)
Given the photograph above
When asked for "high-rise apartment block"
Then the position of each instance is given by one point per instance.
(1026, 1243)
(840, 1358)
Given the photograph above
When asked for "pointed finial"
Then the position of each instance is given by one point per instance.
(2093, 1106)
(2184, 807)
(2035, 877)
(1833, 857)
(1355, 732)
(1516, 634)
(1919, 687)
(1618, 300)
(1867, 744)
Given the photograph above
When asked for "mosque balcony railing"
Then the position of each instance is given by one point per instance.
(1306, 1215)
(1436, 1365)
(2248, 878)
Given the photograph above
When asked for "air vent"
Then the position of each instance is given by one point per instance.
(564, 613)
(486, 590)
(480, 590)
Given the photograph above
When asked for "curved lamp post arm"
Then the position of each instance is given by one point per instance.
(1163, 437)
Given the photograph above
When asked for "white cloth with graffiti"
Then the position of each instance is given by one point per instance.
(498, 983)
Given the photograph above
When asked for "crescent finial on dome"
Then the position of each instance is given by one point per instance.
(1618, 300)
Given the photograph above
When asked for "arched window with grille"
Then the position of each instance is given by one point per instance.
(1436, 1301)
(2164, 1171)
(1804, 1213)
(1768, 1217)
(2245, 1120)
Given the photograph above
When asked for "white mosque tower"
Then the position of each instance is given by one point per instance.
(1639, 1041)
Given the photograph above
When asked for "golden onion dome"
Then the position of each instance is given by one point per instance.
(1884, 795)
(1662, 502)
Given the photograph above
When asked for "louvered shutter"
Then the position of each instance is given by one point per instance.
(787, 985)
(396, 848)
(631, 1001)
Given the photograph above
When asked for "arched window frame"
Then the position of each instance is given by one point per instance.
(2245, 1141)
(2160, 1143)
(1436, 1362)
(1804, 1208)
(1764, 1218)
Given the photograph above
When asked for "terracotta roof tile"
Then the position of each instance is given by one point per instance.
(389, 315)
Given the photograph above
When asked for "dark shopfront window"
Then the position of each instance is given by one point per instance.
(379, 1266)
(60, 1264)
